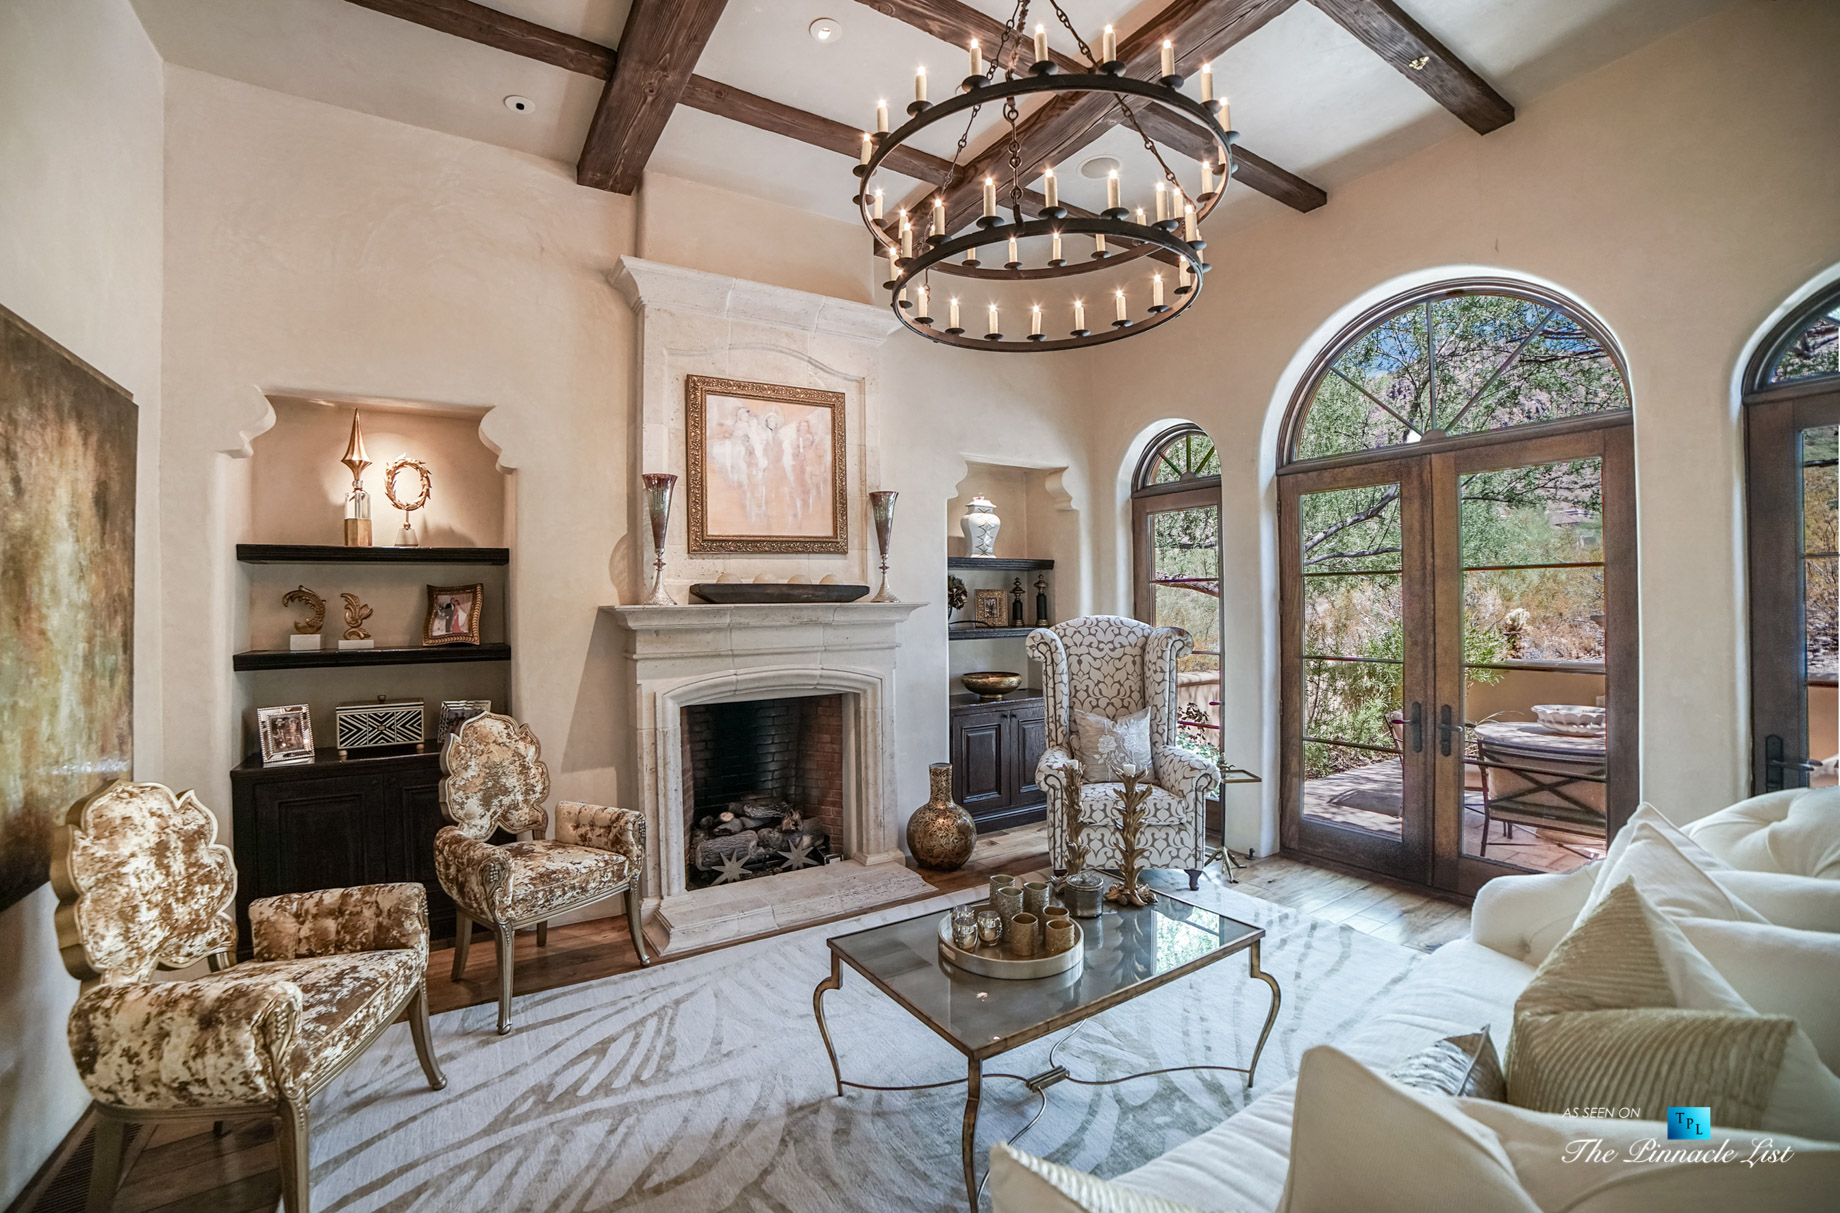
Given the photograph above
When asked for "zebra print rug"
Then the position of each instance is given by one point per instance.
(701, 1085)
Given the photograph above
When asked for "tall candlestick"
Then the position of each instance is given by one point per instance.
(1013, 256)
(1057, 248)
(868, 146)
(1035, 321)
(1156, 290)
(881, 117)
(939, 214)
(1041, 43)
(952, 322)
(1169, 57)
(925, 300)
(1207, 176)
(1111, 187)
(1108, 46)
(993, 320)
(1188, 224)
(1099, 243)
(1162, 202)
(920, 85)
(1079, 315)
(977, 58)
(990, 197)
(1120, 297)
(1050, 186)
(907, 237)
(1207, 81)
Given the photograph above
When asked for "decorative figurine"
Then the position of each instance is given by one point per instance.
(981, 525)
(1015, 604)
(940, 834)
(357, 502)
(355, 614)
(1041, 601)
(306, 630)
(405, 538)
(1131, 890)
(658, 486)
(881, 502)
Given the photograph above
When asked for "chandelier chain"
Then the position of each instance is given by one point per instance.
(1155, 153)
(1078, 41)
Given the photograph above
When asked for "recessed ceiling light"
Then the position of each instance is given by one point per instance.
(827, 31)
(1099, 167)
(519, 105)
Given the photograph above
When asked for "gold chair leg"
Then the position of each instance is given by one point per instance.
(632, 923)
(463, 940)
(291, 1143)
(543, 934)
(424, 1047)
(504, 937)
(105, 1163)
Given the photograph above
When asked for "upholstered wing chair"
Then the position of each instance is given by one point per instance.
(494, 779)
(1113, 668)
(143, 884)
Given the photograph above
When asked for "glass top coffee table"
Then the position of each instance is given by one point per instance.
(1128, 952)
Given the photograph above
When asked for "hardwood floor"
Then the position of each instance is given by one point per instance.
(182, 1168)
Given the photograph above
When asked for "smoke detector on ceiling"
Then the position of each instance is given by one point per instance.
(1099, 167)
(519, 105)
(826, 30)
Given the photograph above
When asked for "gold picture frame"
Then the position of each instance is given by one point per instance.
(453, 614)
(768, 467)
(990, 608)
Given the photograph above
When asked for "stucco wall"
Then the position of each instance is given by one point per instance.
(1680, 194)
(80, 261)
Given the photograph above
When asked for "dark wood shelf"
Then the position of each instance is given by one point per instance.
(326, 761)
(318, 553)
(999, 563)
(986, 633)
(305, 659)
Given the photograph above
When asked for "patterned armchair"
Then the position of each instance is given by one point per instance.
(143, 884)
(1114, 667)
(495, 780)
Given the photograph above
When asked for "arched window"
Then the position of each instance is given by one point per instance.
(1175, 525)
(1792, 503)
(1454, 360)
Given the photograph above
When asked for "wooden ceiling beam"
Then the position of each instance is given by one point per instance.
(1389, 32)
(957, 23)
(765, 114)
(658, 52)
(489, 27)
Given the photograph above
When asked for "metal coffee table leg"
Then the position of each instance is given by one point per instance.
(1271, 1017)
(835, 982)
(974, 1074)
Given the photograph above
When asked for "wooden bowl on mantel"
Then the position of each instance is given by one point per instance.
(990, 685)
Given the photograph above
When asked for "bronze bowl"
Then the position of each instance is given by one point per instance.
(990, 685)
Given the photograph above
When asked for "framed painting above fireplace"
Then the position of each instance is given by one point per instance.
(767, 467)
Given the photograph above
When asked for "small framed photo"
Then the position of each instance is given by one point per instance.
(453, 614)
(456, 712)
(990, 608)
(286, 734)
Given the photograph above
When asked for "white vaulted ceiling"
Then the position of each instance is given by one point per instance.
(1305, 94)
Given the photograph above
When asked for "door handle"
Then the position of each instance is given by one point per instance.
(1778, 765)
(1445, 729)
(1416, 722)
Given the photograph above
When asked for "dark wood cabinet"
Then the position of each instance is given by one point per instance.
(333, 823)
(995, 748)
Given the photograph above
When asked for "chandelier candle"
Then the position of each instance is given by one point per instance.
(993, 320)
(1098, 244)
(952, 322)
(1057, 247)
(926, 311)
(1207, 81)
(1188, 224)
(878, 204)
(939, 215)
(881, 117)
(1207, 178)
(1079, 316)
(1015, 257)
(977, 58)
(1156, 290)
(920, 84)
(1111, 181)
(1121, 315)
(907, 238)
(868, 146)
(990, 197)
(1050, 187)
(1162, 202)
(1041, 43)
(1035, 321)
(1108, 45)
(1169, 58)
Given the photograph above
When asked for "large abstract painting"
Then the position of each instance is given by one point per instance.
(67, 438)
(766, 467)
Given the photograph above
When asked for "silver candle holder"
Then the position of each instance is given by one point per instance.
(881, 503)
(658, 486)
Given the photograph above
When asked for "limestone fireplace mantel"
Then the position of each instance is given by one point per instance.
(678, 656)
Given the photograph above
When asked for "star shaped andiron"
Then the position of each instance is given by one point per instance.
(798, 856)
(733, 867)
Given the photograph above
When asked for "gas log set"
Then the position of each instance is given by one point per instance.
(757, 835)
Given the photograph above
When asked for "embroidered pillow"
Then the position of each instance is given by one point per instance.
(1104, 745)
(1457, 1065)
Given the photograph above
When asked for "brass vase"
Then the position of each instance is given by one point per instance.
(941, 834)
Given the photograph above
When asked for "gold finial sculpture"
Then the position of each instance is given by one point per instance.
(316, 606)
(1131, 890)
(357, 502)
(355, 615)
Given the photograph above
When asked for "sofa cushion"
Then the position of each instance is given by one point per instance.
(1455, 1065)
(1808, 903)
(1672, 879)
(1779, 971)
(1522, 917)
(1795, 831)
(1100, 804)
(1022, 1183)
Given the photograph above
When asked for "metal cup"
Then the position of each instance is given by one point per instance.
(1035, 897)
(998, 883)
(989, 926)
(1057, 935)
(1008, 901)
(1024, 935)
(964, 928)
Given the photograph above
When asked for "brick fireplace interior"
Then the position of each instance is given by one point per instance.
(774, 767)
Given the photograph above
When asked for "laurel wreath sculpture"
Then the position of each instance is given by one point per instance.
(316, 607)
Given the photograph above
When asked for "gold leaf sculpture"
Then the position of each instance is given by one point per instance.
(1131, 890)
(316, 606)
(1076, 828)
(355, 615)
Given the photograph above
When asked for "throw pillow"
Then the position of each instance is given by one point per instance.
(1807, 903)
(1104, 745)
(1625, 1013)
(1456, 1065)
(1360, 1141)
(1778, 971)
(1022, 1183)
(1795, 831)
(1669, 878)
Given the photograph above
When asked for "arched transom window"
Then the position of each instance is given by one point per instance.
(1460, 359)
(1810, 348)
(1181, 457)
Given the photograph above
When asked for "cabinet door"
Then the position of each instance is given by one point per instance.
(979, 745)
(420, 798)
(300, 835)
(1028, 738)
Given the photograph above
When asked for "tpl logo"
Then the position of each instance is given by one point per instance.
(1689, 1124)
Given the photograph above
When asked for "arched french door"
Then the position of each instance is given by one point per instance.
(1457, 549)
(1792, 447)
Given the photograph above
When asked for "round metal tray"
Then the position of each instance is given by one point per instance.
(994, 960)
